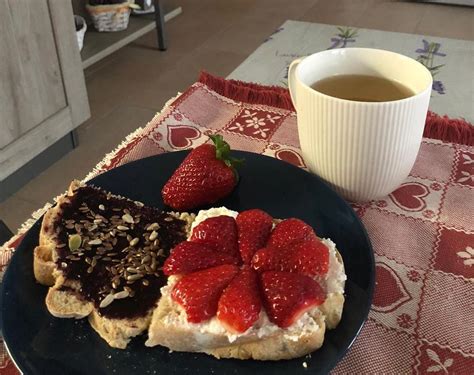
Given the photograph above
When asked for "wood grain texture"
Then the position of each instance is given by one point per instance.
(69, 59)
(25, 148)
(31, 88)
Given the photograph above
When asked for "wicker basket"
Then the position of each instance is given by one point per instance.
(111, 17)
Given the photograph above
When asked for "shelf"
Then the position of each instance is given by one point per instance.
(99, 45)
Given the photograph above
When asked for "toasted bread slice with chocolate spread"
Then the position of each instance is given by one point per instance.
(101, 254)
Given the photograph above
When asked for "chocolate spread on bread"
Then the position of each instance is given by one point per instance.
(115, 248)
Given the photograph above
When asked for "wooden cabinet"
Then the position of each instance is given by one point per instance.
(42, 90)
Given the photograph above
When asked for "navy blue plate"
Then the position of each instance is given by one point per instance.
(42, 344)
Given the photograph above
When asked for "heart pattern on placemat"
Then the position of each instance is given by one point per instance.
(390, 292)
(409, 196)
(181, 137)
(290, 156)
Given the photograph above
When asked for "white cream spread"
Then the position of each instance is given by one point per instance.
(333, 282)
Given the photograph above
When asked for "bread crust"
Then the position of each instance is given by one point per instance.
(275, 347)
(118, 332)
(270, 348)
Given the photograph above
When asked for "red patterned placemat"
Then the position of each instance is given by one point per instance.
(422, 234)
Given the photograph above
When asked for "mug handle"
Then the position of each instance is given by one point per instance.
(292, 79)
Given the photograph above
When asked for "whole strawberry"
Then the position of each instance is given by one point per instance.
(206, 175)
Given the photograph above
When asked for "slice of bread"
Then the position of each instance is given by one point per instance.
(265, 341)
(67, 298)
(169, 328)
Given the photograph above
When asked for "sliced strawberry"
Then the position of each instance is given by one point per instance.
(307, 256)
(254, 227)
(289, 230)
(187, 257)
(239, 306)
(287, 296)
(199, 292)
(220, 231)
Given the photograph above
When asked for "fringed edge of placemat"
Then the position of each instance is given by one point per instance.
(437, 127)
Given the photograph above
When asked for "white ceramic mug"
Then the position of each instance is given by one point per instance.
(365, 150)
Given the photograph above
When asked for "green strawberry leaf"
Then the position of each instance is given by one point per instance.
(223, 153)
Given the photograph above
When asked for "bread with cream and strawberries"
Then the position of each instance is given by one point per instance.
(247, 286)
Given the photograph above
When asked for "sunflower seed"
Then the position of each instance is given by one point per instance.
(128, 218)
(168, 219)
(139, 204)
(88, 260)
(101, 207)
(132, 270)
(122, 227)
(74, 242)
(156, 243)
(154, 226)
(116, 209)
(145, 282)
(129, 237)
(94, 262)
(126, 211)
(111, 254)
(107, 301)
(134, 277)
(63, 264)
(153, 235)
(112, 233)
(134, 241)
(96, 241)
(70, 226)
(146, 259)
(122, 294)
(60, 246)
(90, 269)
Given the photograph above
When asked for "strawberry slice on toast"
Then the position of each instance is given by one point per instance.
(287, 296)
(240, 305)
(199, 292)
(187, 257)
(254, 227)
